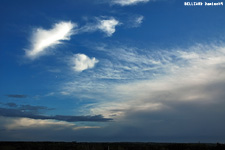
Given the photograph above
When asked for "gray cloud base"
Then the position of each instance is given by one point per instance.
(31, 112)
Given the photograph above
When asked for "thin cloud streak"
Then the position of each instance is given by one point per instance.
(107, 25)
(33, 113)
(149, 75)
(138, 21)
(128, 2)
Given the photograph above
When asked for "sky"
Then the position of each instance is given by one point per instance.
(112, 71)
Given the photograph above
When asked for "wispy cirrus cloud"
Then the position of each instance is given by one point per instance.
(43, 39)
(106, 25)
(82, 62)
(184, 77)
(128, 2)
(143, 78)
(124, 64)
(137, 21)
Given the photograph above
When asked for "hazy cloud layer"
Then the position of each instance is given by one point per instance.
(138, 21)
(43, 39)
(82, 62)
(177, 73)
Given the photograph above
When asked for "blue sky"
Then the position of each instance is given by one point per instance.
(112, 70)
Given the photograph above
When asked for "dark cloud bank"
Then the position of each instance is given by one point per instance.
(32, 112)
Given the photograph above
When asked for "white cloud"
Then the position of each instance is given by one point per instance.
(128, 63)
(83, 62)
(128, 2)
(43, 39)
(108, 26)
(143, 80)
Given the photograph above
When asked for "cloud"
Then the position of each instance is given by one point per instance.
(154, 76)
(43, 39)
(21, 123)
(137, 21)
(16, 96)
(121, 65)
(82, 62)
(128, 2)
(151, 92)
(128, 63)
(26, 129)
(174, 105)
(32, 112)
(155, 87)
(24, 109)
(108, 26)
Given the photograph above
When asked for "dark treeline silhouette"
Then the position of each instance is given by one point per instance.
(108, 146)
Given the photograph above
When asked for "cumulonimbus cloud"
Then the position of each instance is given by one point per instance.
(128, 2)
(82, 62)
(43, 39)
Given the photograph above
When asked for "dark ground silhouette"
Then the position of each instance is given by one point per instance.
(108, 146)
